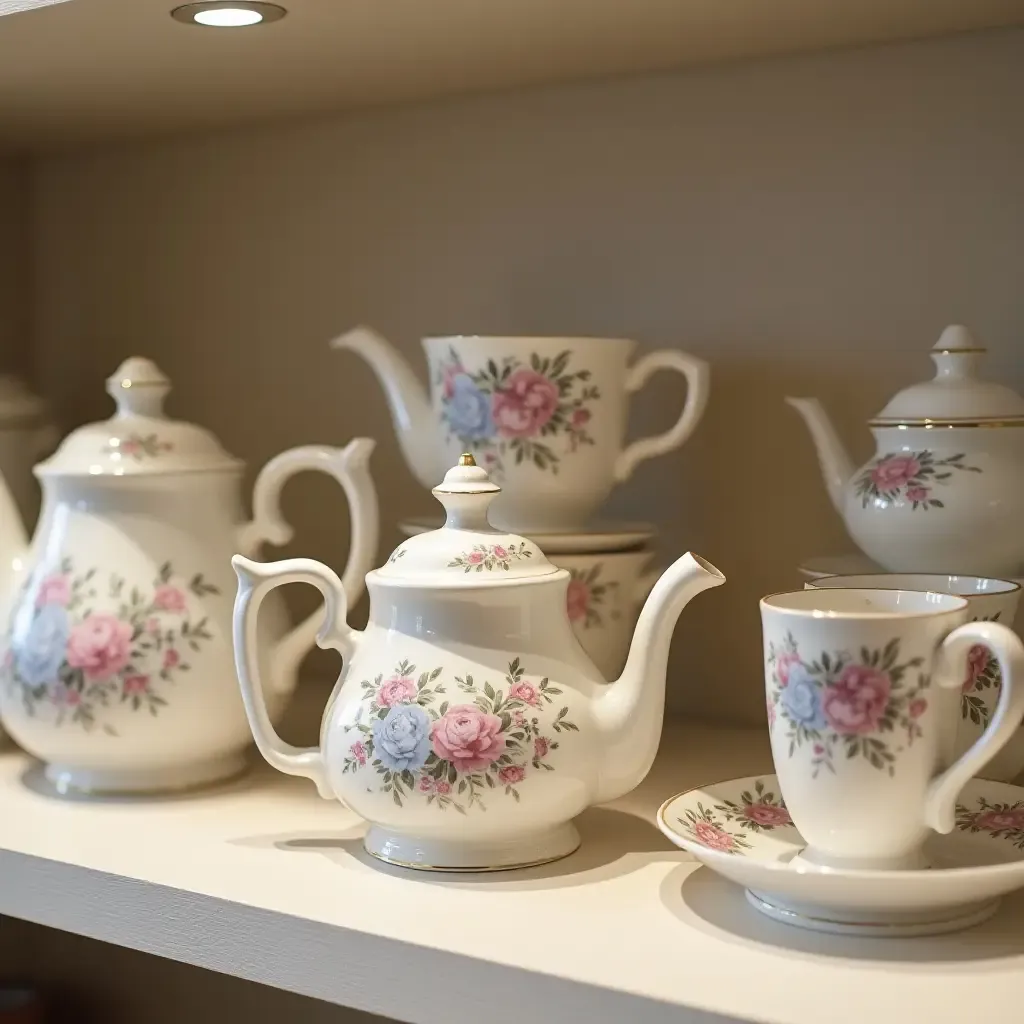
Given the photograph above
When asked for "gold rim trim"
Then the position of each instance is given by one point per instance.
(926, 424)
(487, 870)
(988, 906)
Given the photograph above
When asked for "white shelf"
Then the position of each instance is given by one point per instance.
(89, 70)
(266, 882)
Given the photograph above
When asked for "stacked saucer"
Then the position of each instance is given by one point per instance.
(546, 417)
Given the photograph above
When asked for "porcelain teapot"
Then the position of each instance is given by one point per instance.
(119, 673)
(944, 491)
(468, 726)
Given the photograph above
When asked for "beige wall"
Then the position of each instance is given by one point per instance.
(15, 265)
(808, 225)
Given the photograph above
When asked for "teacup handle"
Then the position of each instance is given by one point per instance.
(698, 376)
(940, 802)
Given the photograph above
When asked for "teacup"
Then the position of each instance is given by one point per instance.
(603, 600)
(988, 600)
(547, 418)
(863, 693)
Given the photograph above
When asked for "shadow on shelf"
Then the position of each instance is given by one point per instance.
(703, 900)
(614, 843)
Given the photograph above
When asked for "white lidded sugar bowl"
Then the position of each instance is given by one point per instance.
(944, 491)
(468, 726)
(118, 671)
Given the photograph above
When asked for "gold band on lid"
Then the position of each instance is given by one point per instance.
(466, 459)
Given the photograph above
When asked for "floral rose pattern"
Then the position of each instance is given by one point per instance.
(88, 648)
(1003, 821)
(757, 810)
(982, 673)
(586, 595)
(490, 557)
(535, 413)
(847, 706)
(908, 476)
(139, 447)
(420, 745)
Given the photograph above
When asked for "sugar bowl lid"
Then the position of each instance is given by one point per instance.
(955, 397)
(139, 439)
(467, 551)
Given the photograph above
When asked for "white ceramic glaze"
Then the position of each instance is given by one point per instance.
(988, 600)
(546, 416)
(118, 670)
(591, 539)
(944, 491)
(863, 702)
(741, 829)
(468, 726)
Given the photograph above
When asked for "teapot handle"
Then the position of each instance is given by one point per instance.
(255, 581)
(697, 374)
(350, 467)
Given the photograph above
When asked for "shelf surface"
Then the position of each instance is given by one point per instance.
(90, 70)
(265, 881)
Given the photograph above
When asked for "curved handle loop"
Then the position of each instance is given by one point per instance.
(940, 802)
(350, 467)
(698, 377)
(255, 581)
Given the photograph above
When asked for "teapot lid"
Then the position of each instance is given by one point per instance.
(139, 439)
(17, 403)
(467, 550)
(955, 397)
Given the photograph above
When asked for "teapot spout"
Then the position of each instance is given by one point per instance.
(836, 466)
(407, 400)
(630, 711)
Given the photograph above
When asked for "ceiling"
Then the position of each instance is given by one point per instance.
(97, 70)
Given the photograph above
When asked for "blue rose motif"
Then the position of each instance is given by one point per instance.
(39, 656)
(402, 739)
(469, 409)
(801, 699)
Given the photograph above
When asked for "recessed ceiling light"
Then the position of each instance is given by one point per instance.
(235, 14)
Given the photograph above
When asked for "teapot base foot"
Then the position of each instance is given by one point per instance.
(429, 854)
(67, 780)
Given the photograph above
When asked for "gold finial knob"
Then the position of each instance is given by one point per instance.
(466, 459)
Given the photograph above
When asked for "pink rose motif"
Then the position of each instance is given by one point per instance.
(783, 664)
(169, 598)
(135, 685)
(358, 751)
(818, 750)
(712, 836)
(442, 788)
(475, 557)
(152, 625)
(995, 821)
(767, 814)
(540, 747)
(171, 658)
(917, 707)
(54, 590)
(396, 690)
(978, 658)
(519, 718)
(577, 600)
(526, 692)
(894, 472)
(60, 694)
(468, 737)
(426, 784)
(511, 774)
(500, 552)
(770, 705)
(917, 493)
(524, 404)
(579, 417)
(857, 700)
(100, 645)
(130, 447)
(449, 374)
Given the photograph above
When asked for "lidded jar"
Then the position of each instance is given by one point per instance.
(118, 672)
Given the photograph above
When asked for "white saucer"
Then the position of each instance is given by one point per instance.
(609, 536)
(853, 564)
(740, 830)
